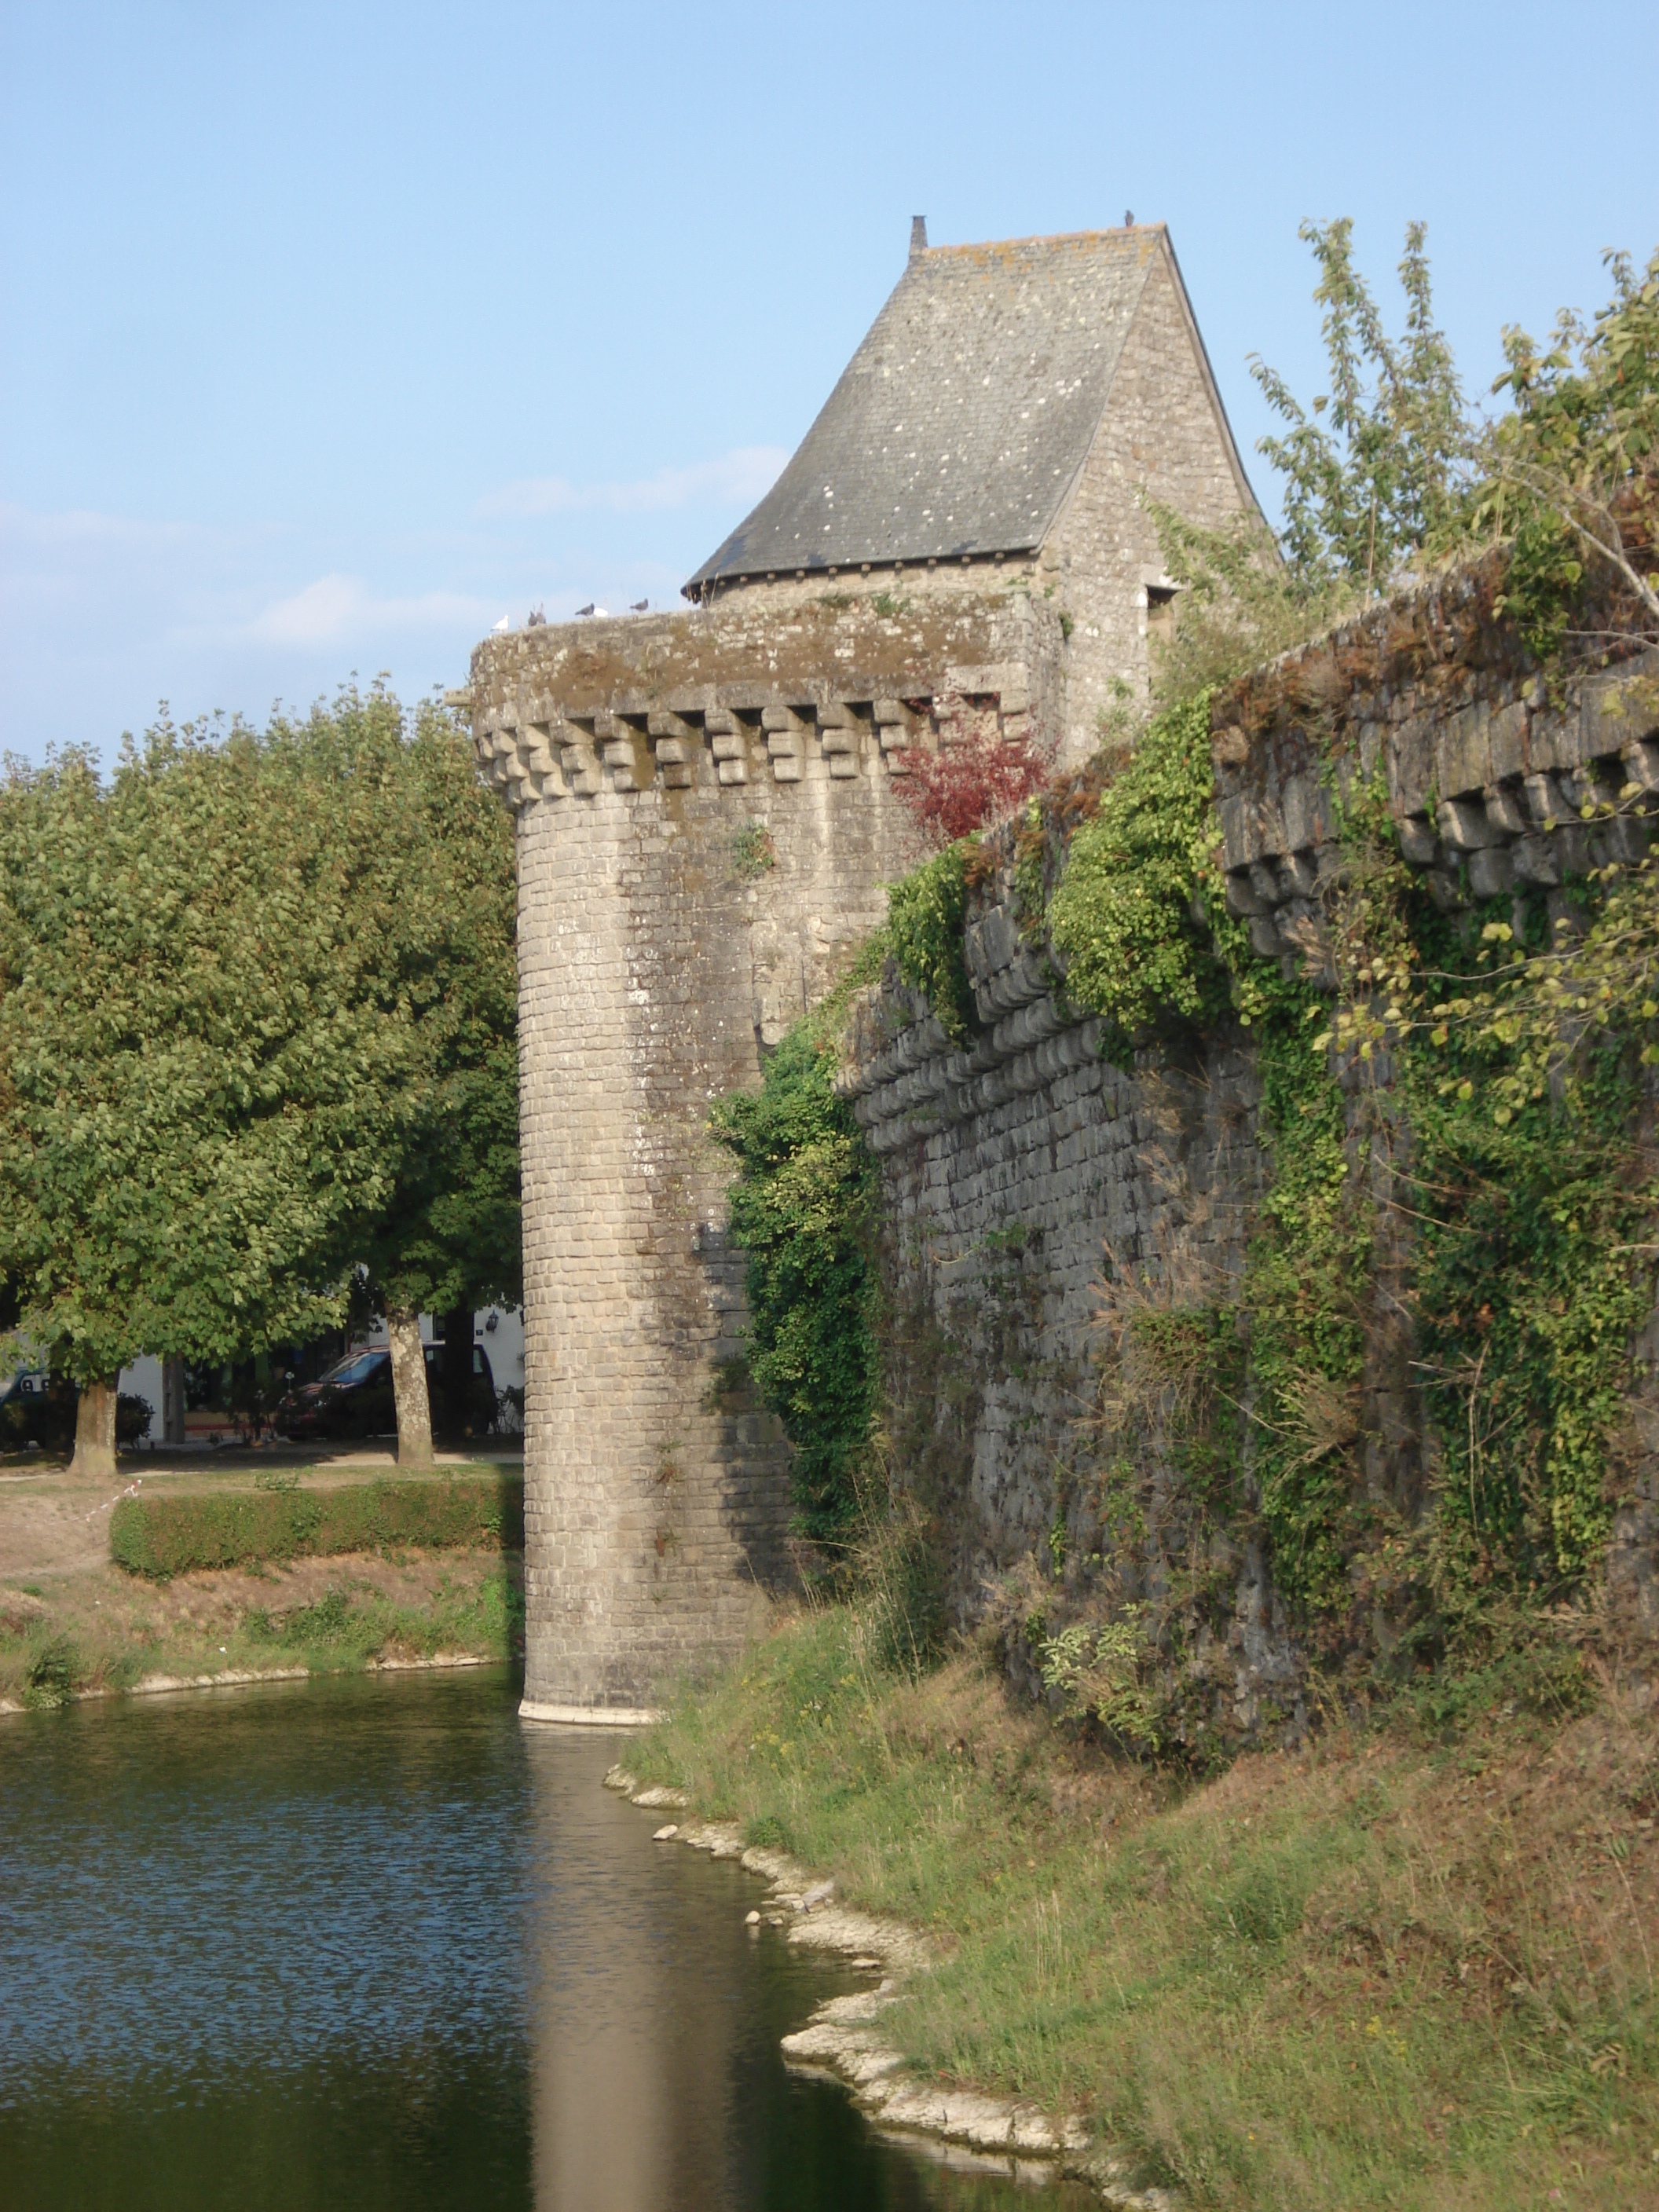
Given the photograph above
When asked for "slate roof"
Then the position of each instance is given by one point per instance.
(961, 422)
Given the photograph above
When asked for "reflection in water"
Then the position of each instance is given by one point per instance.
(375, 1945)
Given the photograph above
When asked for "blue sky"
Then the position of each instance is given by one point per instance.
(331, 334)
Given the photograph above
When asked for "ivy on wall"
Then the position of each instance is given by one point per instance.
(801, 1208)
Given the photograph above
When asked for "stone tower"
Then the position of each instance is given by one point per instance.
(707, 822)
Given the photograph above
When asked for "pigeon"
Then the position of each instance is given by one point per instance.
(638, 607)
(587, 610)
(1129, 219)
(503, 626)
(536, 620)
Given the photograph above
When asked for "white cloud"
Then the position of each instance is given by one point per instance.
(343, 606)
(737, 478)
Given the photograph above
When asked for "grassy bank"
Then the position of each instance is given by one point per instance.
(1400, 1968)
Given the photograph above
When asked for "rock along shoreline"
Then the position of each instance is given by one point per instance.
(843, 2040)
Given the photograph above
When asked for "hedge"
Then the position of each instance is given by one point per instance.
(163, 1536)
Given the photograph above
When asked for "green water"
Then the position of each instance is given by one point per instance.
(377, 1944)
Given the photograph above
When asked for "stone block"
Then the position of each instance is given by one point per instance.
(1463, 826)
(1464, 756)
(1490, 872)
(1242, 899)
(1419, 842)
(1544, 804)
(1506, 739)
(1535, 862)
(1506, 810)
(1410, 764)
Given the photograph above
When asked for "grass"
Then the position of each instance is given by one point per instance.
(1408, 1966)
(107, 1633)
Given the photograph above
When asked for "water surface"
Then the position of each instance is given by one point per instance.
(374, 1944)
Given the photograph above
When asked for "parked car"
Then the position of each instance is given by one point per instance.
(354, 1398)
(37, 1410)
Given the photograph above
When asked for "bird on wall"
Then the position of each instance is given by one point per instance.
(587, 610)
(638, 607)
(502, 626)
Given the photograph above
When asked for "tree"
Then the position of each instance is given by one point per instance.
(1389, 471)
(257, 1033)
(204, 1053)
(1376, 473)
(449, 1236)
(1571, 476)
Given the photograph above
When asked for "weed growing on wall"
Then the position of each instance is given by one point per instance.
(923, 935)
(1137, 916)
(801, 1209)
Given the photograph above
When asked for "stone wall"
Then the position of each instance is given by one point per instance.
(1019, 1173)
(1164, 434)
(1016, 1176)
(1430, 701)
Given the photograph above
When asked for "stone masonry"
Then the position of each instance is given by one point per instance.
(708, 816)
(1022, 1172)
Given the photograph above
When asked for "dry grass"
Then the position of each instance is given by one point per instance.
(99, 1629)
(1382, 1972)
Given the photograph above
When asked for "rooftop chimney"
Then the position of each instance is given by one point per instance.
(918, 235)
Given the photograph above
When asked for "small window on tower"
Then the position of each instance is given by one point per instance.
(1160, 611)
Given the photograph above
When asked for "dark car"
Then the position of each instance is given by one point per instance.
(354, 1398)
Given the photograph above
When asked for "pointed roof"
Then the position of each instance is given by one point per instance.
(960, 424)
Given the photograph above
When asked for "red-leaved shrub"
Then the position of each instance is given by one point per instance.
(960, 788)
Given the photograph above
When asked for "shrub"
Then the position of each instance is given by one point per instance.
(950, 793)
(163, 1536)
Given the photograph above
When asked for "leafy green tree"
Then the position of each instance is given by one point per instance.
(205, 1052)
(1374, 472)
(449, 1236)
(1571, 475)
(257, 1033)
(1389, 470)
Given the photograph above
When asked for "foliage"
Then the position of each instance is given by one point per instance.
(1520, 1057)
(753, 853)
(1572, 473)
(1307, 1279)
(923, 937)
(1097, 1671)
(1134, 914)
(449, 1236)
(1374, 472)
(801, 1210)
(204, 1047)
(257, 1026)
(181, 1532)
(950, 793)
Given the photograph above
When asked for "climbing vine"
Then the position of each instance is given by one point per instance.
(801, 1209)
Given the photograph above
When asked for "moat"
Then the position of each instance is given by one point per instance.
(365, 1944)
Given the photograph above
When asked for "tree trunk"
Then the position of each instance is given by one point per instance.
(408, 1389)
(95, 1430)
